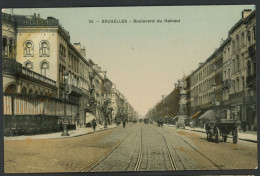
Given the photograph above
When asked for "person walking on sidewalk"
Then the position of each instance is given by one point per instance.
(124, 121)
(94, 124)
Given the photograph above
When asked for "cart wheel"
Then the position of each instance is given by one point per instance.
(217, 134)
(235, 136)
(225, 138)
(234, 139)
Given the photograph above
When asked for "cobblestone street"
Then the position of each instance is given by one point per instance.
(141, 147)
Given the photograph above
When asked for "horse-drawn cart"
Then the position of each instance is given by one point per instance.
(222, 128)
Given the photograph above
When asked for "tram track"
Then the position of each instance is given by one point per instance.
(173, 163)
(140, 154)
(109, 153)
(207, 158)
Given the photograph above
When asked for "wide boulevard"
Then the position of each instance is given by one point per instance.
(138, 147)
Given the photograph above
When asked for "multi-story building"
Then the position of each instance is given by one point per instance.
(232, 71)
(242, 94)
(59, 82)
(21, 109)
(115, 103)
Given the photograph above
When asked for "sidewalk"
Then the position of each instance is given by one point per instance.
(72, 133)
(250, 136)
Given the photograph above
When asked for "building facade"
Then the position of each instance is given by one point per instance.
(45, 74)
(227, 79)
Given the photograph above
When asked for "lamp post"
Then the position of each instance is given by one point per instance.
(65, 92)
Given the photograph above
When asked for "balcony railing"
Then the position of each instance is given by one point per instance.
(251, 80)
(237, 95)
(252, 50)
(226, 84)
(37, 76)
(10, 66)
(74, 90)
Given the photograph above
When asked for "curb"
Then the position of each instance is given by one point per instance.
(248, 140)
(103, 129)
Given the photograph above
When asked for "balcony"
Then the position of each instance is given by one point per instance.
(38, 77)
(11, 67)
(74, 90)
(251, 80)
(226, 84)
(237, 95)
(252, 50)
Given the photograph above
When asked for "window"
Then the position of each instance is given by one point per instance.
(254, 33)
(44, 48)
(248, 37)
(44, 67)
(248, 68)
(237, 84)
(238, 63)
(28, 48)
(237, 38)
(5, 47)
(62, 52)
(233, 46)
(242, 39)
(29, 65)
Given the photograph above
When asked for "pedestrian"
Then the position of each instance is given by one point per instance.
(124, 123)
(94, 124)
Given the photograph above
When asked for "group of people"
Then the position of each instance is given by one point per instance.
(94, 123)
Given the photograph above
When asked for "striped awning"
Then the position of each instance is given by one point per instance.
(195, 115)
(89, 117)
(210, 115)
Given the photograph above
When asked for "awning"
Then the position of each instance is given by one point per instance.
(89, 117)
(175, 118)
(195, 115)
(210, 115)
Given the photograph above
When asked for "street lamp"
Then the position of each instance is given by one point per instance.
(65, 92)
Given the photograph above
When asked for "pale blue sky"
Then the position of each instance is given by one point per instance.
(145, 60)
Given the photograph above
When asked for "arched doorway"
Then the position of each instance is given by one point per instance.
(10, 89)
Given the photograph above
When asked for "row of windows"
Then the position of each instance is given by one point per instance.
(207, 84)
(207, 71)
(207, 98)
(44, 48)
(239, 41)
(44, 66)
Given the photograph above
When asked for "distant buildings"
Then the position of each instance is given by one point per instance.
(227, 79)
(47, 80)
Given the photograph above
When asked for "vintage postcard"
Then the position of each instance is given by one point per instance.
(144, 88)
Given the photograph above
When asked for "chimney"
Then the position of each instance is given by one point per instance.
(200, 64)
(83, 51)
(38, 15)
(246, 12)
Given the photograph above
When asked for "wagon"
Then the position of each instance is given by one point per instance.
(222, 128)
(160, 123)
